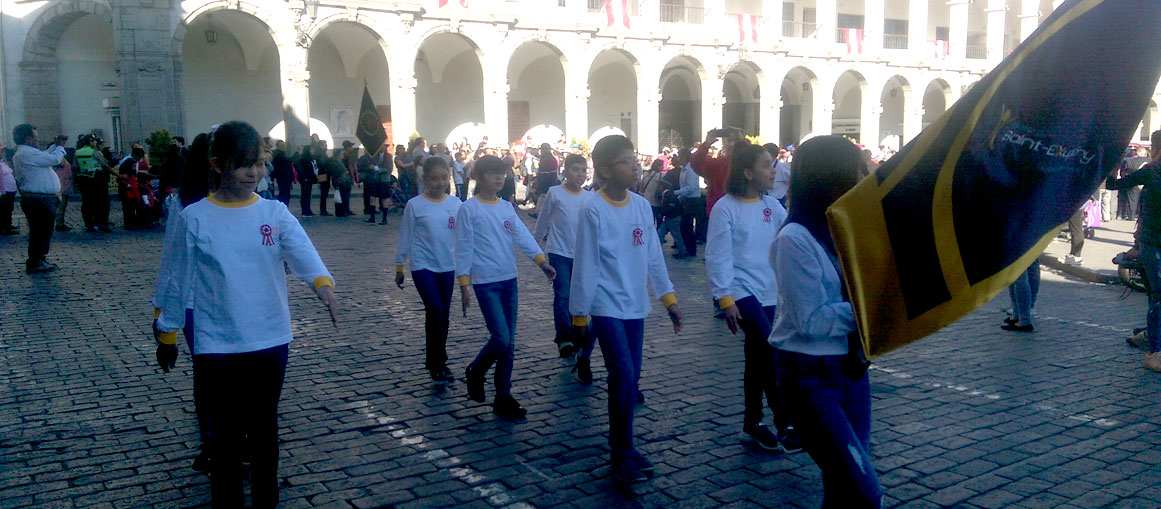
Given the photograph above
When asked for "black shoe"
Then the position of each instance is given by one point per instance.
(640, 397)
(324, 213)
(105, 229)
(1017, 328)
(680, 256)
(565, 348)
(475, 386)
(371, 218)
(384, 220)
(448, 376)
(642, 462)
(437, 378)
(202, 461)
(583, 370)
(90, 229)
(1011, 320)
(307, 214)
(506, 406)
(624, 469)
(761, 436)
(63, 228)
(789, 442)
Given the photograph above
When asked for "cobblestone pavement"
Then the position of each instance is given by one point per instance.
(972, 416)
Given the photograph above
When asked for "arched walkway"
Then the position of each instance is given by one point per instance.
(230, 50)
(895, 100)
(341, 58)
(84, 31)
(613, 92)
(742, 90)
(536, 88)
(797, 93)
(935, 101)
(450, 81)
(848, 99)
(680, 108)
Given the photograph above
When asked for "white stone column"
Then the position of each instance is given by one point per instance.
(715, 15)
(958, 31)
(826, 16)
(823, 114)
(648, 118)
(771, 28)
(649, 12)
(770, 116)
(997, 12)
(917, 29)
(496, 105)
(403, 119)
(576, 106)
(713, 99)
(869, 121)
(912, 122)
(295, 78)
(873, 28)
(1029, 17)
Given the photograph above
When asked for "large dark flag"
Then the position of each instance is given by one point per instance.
(963, 209)
(370, 131)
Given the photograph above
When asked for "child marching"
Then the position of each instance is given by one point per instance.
(230, 267)
(486, 229)
(742, 228)
(616, 254)
(427, 239)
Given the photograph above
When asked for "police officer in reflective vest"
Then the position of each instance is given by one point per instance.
(93, 182)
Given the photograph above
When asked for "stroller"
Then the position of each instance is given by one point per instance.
(398, 197)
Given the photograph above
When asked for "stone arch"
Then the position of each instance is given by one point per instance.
(280, 31)
(797, 94)
(39, 73)
(463, 98)
(849, 96)
(742, 89)
(894, 100)
(536, 72)
(344, 55)
(680, 107)
(616, 96)
(936, 100)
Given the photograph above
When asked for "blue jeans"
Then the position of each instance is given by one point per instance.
(561, 286)
(621, 346)
(1023, 293)
(1151, 265)
(498, 303)
(760, 374)
(435, 289)
(832, 413)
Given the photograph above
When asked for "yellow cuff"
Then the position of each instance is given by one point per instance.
(725, 302)
(539, 259)
(668, 299)
(398, 269)
(580, 321)
(322, 281)
(465, 280)
(168, 338)
(156, 313)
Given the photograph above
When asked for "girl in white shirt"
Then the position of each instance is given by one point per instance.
(427, 237)
(617, 253)
(559, 212)
(742, 227)
(230, 267)
(486, 228)
(822, 375)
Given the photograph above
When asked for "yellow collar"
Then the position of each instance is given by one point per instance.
(233, 205)
(749, 200)
(489, 202)
(615, 203)
(578, 193)
(434, 201)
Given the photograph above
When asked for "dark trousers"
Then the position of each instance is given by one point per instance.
(324, 192)
(344, 208)
(1076, 232)
(832, 413)
(131, 212)
(498, 303)
(200, 382)
(435, 289)
(306, 187)
(760, 376)
(621, 342)
(1130, 197)
(368, 202)
(561, 287)
(94, 201)
(284, 188)
(243, 394)
(687, 232)
(7, 204)
(40, 211)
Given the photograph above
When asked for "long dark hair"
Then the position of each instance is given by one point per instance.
(195, 180)
(823, 169)
(234, 144)
(743, 158)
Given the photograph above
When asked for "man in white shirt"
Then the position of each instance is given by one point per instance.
(39, 192)
(781, 175)
(692, 204)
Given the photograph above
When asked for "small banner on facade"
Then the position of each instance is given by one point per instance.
(370, 131)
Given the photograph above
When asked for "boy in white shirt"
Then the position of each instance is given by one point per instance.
(616, 254)
(486, 228)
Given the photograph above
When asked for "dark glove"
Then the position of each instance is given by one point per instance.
(166, 348)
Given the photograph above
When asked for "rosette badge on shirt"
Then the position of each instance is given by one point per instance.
(267, 235)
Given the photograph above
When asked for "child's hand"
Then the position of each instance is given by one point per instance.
(548, 270)
(465, 299)
(675, 317)
(581, 331)
(399, 280)
(732, 317)
(327, 295)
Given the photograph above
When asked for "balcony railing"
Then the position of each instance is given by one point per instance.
(841, 34)
(895, 41)
(799, 29)
(977, 52)
(599, 5)
(677, 13)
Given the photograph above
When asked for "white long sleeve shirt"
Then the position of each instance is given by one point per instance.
(812, 318)
(737, 249)
(231, 268)
(428, 235)
(34, 169)
(617, 252)
(485, 234)
(558, 218)
(781, 180)
(168, 275)
(690, 183)
(7, 180)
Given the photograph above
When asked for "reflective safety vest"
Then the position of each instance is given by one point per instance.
(87, 165)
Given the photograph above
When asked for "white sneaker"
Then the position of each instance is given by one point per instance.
(1073, 260)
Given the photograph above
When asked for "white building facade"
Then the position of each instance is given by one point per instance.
(867, 69)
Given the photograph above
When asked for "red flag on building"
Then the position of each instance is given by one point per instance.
(940, 49)
(854, 38)
(616, 10)
(443, 3)
(747, 28)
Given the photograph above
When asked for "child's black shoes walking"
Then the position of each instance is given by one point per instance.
(506, 406)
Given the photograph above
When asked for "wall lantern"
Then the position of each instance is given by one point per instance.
(311, 7)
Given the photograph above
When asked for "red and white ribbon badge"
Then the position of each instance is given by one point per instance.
(766, 214)
(451, 223)
(638, 237)
(267, 235)
(508, 226)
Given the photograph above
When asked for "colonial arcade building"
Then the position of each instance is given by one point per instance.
(662, 71)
